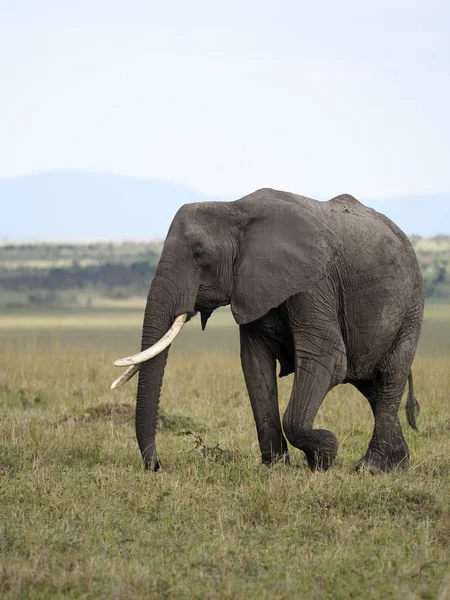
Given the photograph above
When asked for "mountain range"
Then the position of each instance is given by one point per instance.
(98, 206)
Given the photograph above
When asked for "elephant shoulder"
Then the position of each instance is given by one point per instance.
(346, 203)
(270, 199)
(271, 194)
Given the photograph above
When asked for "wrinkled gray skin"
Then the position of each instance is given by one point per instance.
(331, 290)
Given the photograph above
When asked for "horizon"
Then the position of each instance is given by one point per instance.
(216, 195)
(95, 206)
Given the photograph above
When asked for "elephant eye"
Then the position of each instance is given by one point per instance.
(198, 251)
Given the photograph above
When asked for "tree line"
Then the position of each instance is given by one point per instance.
(39, 273)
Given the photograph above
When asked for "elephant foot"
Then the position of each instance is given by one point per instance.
(375, 461)
(276, 459)
(274, 448)
(319, 445)
(321, 455)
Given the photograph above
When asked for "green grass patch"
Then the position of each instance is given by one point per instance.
(80, 518)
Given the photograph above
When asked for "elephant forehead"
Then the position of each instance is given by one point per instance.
(192, 231)
(196, 222)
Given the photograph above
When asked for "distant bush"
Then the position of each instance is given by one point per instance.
(44, 298)
(138, 275)
(117, 294)
(119, 271)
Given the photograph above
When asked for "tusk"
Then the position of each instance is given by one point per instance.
(157, 348)
(126, 376)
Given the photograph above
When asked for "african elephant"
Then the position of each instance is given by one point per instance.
(331, 290)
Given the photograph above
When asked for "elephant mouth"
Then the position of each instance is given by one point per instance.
(206, 311)
(204, 316)
(191, 315)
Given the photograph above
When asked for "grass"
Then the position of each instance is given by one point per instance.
(80, 518)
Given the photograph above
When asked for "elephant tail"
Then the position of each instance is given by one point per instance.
(412, 406)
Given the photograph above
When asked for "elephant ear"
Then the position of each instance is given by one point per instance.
(285, 249)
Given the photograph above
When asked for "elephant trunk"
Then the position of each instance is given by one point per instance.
(149, 388)
(166, 301)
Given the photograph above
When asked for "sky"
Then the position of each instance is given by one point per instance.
(226, 97)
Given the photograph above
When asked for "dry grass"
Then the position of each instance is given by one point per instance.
(80, 518)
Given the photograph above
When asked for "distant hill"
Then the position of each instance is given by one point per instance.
(80, 206)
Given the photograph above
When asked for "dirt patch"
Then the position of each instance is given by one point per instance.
(118, 413)
(177, 423)
(124, 413)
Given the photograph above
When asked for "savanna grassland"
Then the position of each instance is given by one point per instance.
(79, 518)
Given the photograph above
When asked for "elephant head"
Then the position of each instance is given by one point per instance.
(252, 253)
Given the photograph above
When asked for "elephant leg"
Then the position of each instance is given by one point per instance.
(320, 364)
(259, 368)
(312, 381)
(387, 448)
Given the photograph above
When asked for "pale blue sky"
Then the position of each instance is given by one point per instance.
(313, 97)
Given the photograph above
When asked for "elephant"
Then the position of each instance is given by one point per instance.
(331, 291)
